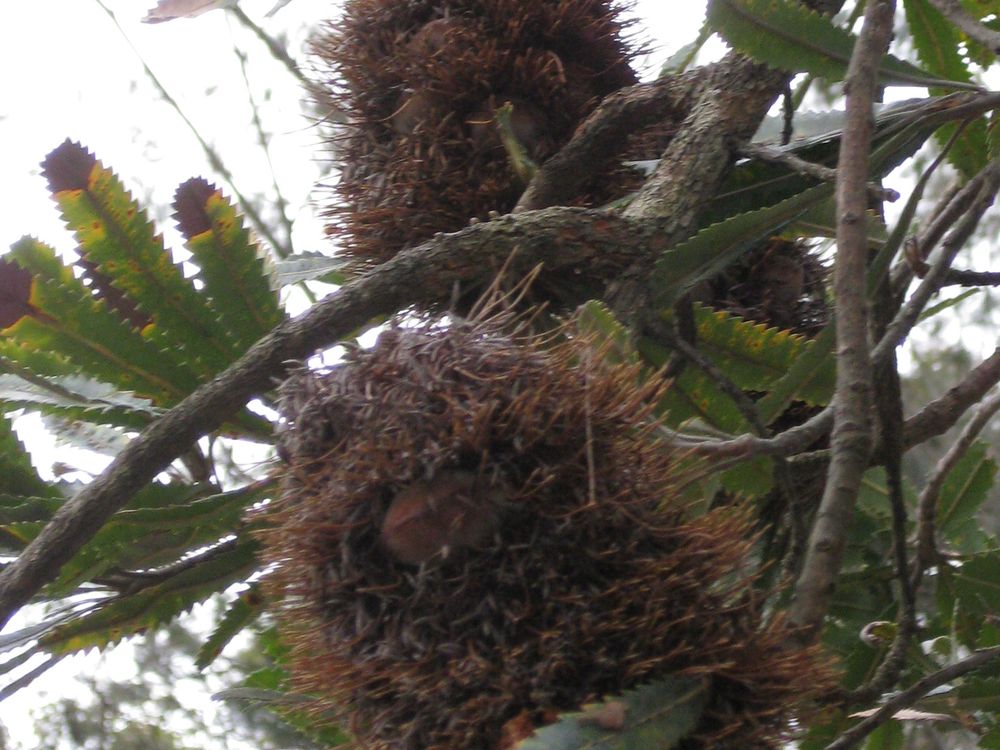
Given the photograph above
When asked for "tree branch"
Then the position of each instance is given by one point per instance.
(851, 436)
(911, 695)
(567, 240)
(809, 169)
(606, 132)
(940, 415)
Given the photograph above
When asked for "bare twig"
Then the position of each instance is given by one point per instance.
(927, 504)
(809, 169)
(940, 415)
(214, 159)
(956, 277)
(282, 251)
(851, 436)
(945, 214)
(911, 695)
(907, 317)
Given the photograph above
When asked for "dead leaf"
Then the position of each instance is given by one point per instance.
(609, 715)
(168, 10)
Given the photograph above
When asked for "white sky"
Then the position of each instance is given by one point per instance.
(68, 72)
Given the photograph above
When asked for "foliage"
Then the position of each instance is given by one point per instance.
(108, 341)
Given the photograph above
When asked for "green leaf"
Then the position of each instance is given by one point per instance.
(789, 36)
(162, 524)
(901, 129)
(811, 378)
(75, 396)
(154, 606)
(933, 310)
(976, 587)
(116, 236)
(658, 715)
(243, 610)
(965, 489)
(17, 474)
(751, 354)
(596, 319)
(715, 247)
(232, 268)
(937, 43)
(66, 318)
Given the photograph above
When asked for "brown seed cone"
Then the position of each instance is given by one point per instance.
(477, 531)
(420, 80)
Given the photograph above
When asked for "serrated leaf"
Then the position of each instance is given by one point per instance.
(17, 474)
(75, 396)
(161, 525)
(811, 378)
(168, 10)
(596, 319)
(715, 247)
(975, 585)
(117, 237)
(902, 128)
(965, 489)
(792, 37)
(658, 715)
(937, 43)
(231, 265)
(154, 606)
(752, 355)
(242, 611)
(77, 433)
(66, 318)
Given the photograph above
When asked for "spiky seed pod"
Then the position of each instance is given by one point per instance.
(779, 282)
(477, 531)
(421, 80)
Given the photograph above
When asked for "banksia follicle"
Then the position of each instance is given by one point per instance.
(420, 82)
(478, 531)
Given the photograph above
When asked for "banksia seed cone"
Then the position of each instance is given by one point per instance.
(477, 531)
(421, 82)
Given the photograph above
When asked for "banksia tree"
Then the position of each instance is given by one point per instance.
(421, 84)
(478, 531)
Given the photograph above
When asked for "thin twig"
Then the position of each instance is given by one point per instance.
(809, 169)
(956, 277)
(940, 415)
(946, 213)
(908, 316)
(282, 251)
(214, 159)
(911, 695)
